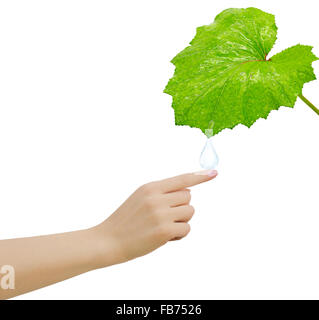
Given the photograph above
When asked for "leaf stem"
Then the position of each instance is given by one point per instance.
(309, 104)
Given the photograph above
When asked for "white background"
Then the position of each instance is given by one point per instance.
(83, 122)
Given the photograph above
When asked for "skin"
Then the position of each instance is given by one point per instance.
(154, 214)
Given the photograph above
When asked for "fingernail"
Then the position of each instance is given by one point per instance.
(210, 173)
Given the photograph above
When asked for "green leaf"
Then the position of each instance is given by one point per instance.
(224, 75)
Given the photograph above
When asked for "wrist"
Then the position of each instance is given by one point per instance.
(105, 247)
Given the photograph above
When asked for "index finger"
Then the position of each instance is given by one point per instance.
(186, 180)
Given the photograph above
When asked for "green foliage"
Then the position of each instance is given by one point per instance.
(225, 76)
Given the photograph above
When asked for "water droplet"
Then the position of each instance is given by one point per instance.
(209, 158)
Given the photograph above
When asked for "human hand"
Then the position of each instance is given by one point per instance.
(154, 214)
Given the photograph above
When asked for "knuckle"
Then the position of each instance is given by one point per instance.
(163, 232)
(191, 210)
(187, 196)
(187, 214)
(150, 203)
(187, 229)
(147, 188)
(157, 216)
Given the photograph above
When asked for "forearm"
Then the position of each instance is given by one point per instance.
(41, 261)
